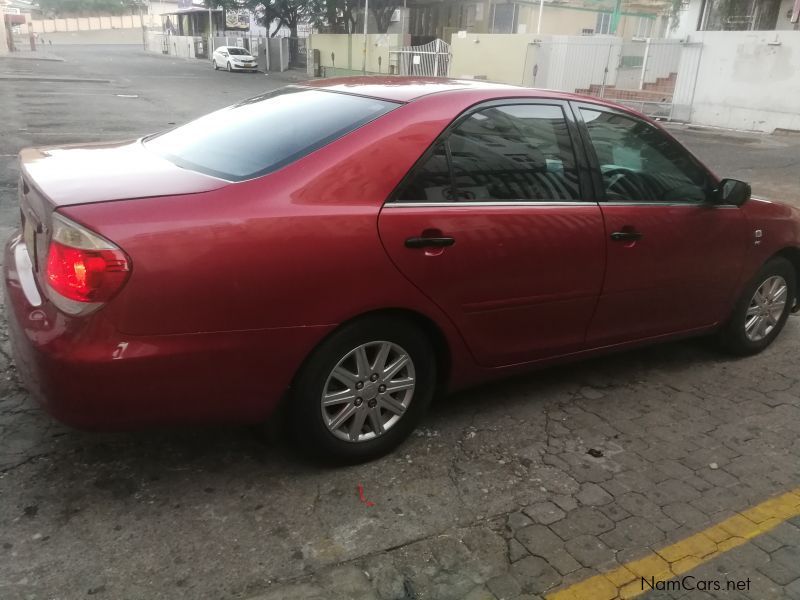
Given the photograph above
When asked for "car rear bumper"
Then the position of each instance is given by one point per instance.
(88, 375)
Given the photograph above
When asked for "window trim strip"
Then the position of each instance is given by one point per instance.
(488, 203)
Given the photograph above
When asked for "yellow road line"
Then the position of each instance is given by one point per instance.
(681, 557)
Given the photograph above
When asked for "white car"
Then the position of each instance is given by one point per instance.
(233, 58)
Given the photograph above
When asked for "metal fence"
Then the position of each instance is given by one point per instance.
(429, 60)
(298, 52)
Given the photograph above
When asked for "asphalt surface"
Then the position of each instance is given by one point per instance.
(512, 490)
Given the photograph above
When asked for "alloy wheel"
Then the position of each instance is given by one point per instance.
(368, 391)
(766, 308)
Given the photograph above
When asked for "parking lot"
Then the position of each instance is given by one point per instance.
(651, 463)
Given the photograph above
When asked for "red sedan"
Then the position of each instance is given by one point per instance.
(350, 246)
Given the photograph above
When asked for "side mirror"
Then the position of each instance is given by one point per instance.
(732, 191)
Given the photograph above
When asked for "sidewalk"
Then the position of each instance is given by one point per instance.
(31, 55)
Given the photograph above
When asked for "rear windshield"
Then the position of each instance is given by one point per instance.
(265, 133)
(237, 51)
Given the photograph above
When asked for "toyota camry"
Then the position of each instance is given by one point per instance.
(346, 248)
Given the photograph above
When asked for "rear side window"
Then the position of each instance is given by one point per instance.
(265, 133)
(517, 152)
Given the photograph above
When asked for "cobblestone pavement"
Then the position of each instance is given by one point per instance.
(514, 490)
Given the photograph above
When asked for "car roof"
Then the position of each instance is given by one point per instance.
(407, 89)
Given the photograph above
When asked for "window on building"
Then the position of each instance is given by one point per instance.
(469, 15)
(504, 18)
(642, 27)
(740, 15)
(603, 25)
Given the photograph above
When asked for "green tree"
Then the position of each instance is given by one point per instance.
(383, 11)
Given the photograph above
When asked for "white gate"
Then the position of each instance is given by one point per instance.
(656, 77)
(429, 60)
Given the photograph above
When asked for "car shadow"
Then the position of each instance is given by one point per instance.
(269, 448)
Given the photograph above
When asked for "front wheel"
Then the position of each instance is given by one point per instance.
(363, 390)
(214, 64)
(762, 310)
(230, 68)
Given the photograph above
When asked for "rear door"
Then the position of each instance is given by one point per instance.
(674, 257)
(493, 225)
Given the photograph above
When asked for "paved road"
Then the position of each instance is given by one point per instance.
(512, 490)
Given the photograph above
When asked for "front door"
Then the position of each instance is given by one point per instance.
(674, 257)
(491, 225)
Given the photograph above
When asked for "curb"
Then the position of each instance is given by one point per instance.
(52, 79)
(15, 57)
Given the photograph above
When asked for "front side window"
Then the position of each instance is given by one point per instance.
(265, 133)
(641, 164)
(520, 152)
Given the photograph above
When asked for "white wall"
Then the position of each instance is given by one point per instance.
(687, 21)
(3, 40)
(560, 62)
(348, 50)
(177, 45)
(100, 36)
(748, 80)
(95, 23)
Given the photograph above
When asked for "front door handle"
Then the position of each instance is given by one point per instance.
(429, 242)
(626, 236)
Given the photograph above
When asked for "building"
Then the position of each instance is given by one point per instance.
(635, 19)
(744, 15)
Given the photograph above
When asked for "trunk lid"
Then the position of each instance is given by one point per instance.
(83, 174)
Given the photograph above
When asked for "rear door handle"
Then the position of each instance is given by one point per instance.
(626, 236)
(429, 242)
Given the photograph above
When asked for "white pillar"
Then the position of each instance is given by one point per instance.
(539, 22)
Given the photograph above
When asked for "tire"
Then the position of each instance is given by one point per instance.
(230, 68)
(313, 426)
(743, 336)
(214, 64)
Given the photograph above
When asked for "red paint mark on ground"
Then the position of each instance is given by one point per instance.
(363, 498)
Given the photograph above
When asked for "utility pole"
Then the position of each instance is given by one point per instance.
(539, 22)
(141, 22)
(615, 16)
(403, 25)
(366, 19)
(210, 32)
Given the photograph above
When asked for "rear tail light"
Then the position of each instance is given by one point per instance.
(83, 270)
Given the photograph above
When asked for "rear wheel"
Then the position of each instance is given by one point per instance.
(363, 390)
(762, 310)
